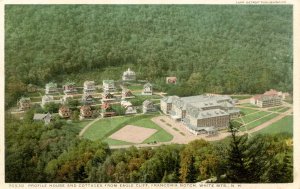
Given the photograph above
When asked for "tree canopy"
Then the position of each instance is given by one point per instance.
(210, 48)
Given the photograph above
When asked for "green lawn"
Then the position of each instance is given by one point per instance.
(249, 105)
(275, 108)
(259, 122)
(103, 128)
(284, 109)
(283, 125)
(252, 117)
(115, 142)
(36, 99)
(248, 110)
(135, 87)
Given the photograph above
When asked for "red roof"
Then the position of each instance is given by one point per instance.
(256, 97)
(271, 92)
(105, 105)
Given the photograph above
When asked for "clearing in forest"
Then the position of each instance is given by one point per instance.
(133, 134)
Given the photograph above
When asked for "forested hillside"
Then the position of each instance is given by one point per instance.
(210, 48)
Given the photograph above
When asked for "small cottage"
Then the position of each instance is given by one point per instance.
(89, 87)
(43, 117)
(87, 99)
(126, 93)
(69, 88)
(51, 88)
(147, 90)
(129, 75)
(106, 110)
(106, 96)
(171, 80)
(129, 109)
(109, 86)
(64, 112)
(24, 103)
(85, 112)
(148, 106)
(47, 99)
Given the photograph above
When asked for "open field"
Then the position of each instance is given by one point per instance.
(116, 142)
(135, 87)
(275, 108)
(101, 128)
(258, 122)
(248, 105)
(283, 109)
(104, 128)
(283, 125)
(129, 134)
(160, 136)
(251, 117)
(248, 110)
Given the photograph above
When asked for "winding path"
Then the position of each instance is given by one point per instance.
(88, 125)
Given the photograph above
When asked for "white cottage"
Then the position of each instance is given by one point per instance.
(129, 75)
(147, 90)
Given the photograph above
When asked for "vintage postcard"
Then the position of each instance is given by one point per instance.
(150, 94)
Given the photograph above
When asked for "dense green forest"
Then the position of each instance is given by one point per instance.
(39, 153)
(210, 48)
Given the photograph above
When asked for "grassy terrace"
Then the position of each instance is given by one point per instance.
(279, 109)
(248, 110)
(275, 108)
(135, 87)
(252, 117)
(258, 122)
(283, 110)
(248, 105)
(283, 125)
(103, 128)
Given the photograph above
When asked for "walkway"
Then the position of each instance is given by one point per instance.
(88, 125)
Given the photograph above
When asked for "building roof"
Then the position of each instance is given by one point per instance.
(87, 96)
(129, 72)
(147, 102)
(271, 92)
(125, 103)
(69, 83)
(64, 108)
(105, 106)
(85, 107)
(169, 99)
(147, 85)
(208, 113)
(47, 98)
(41, 116)
(89, 83)
(266, 97)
